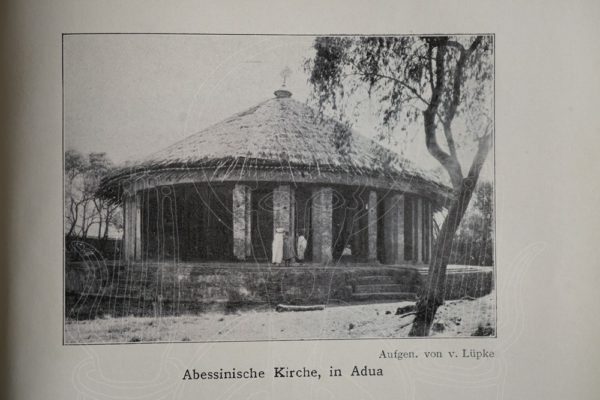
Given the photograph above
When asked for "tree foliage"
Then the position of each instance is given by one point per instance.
(474, 242)
(412, 80)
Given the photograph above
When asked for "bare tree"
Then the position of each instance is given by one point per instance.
(83, 208)
(75, 168)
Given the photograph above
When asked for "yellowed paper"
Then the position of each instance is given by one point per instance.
(545, 194)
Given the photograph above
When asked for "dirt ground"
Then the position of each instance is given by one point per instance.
(466, 317)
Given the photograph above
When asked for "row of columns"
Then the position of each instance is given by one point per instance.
(284, 209)
(393, 228)
(322, 224)
(394, 232)
(419, 233)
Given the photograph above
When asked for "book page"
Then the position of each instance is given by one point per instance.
(257, 201)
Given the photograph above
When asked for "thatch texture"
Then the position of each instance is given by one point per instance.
(282, 133)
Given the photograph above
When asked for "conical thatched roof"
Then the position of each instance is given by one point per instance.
(279, 132)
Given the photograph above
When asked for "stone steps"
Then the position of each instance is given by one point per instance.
(383, 287)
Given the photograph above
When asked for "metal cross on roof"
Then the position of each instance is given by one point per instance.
(285, 74)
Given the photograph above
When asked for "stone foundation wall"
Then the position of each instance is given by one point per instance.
(119, 289)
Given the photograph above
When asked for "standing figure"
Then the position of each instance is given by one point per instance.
(278, 246)
(301, 247)
(288, 249)
(346, 254)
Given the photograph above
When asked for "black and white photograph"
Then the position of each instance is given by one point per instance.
(248, 200)
(237, 188)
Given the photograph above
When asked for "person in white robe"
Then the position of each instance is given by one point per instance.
(301, 247)
(278, 246)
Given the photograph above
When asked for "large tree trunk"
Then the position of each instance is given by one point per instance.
(432, 295)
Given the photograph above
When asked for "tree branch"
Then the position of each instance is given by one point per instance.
(485, 143)
(399, 81)
(448, 161)
(454, 43)
(458, 76)
(450, 140)
(430, 67)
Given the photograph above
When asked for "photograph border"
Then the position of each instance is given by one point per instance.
(494, 172)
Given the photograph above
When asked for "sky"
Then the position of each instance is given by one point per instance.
(132, 95)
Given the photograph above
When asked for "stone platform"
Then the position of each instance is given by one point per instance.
(96, 288)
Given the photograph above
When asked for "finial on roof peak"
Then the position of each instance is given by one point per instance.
(286, 73)
(283, 92)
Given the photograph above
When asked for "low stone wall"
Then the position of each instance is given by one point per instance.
(468, 284)
(119, 289)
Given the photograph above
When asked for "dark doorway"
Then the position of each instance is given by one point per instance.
(303, 218)
(159, 233)
(262, 224)
(187, 223)
(349, 226)
(213, 227)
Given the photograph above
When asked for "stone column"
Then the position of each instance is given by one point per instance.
(138, 226)
(413, 228)
(241, 221)
(322, 224)
(429, 232)
(183, 218)
(426, 226)
(393, 227)
(129, 228)
(283, 209)
(425, 235)
(125, 237)
(372, 227)
(419, 230)
(248, 223)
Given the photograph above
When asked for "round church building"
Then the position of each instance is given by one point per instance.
(222, 194)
